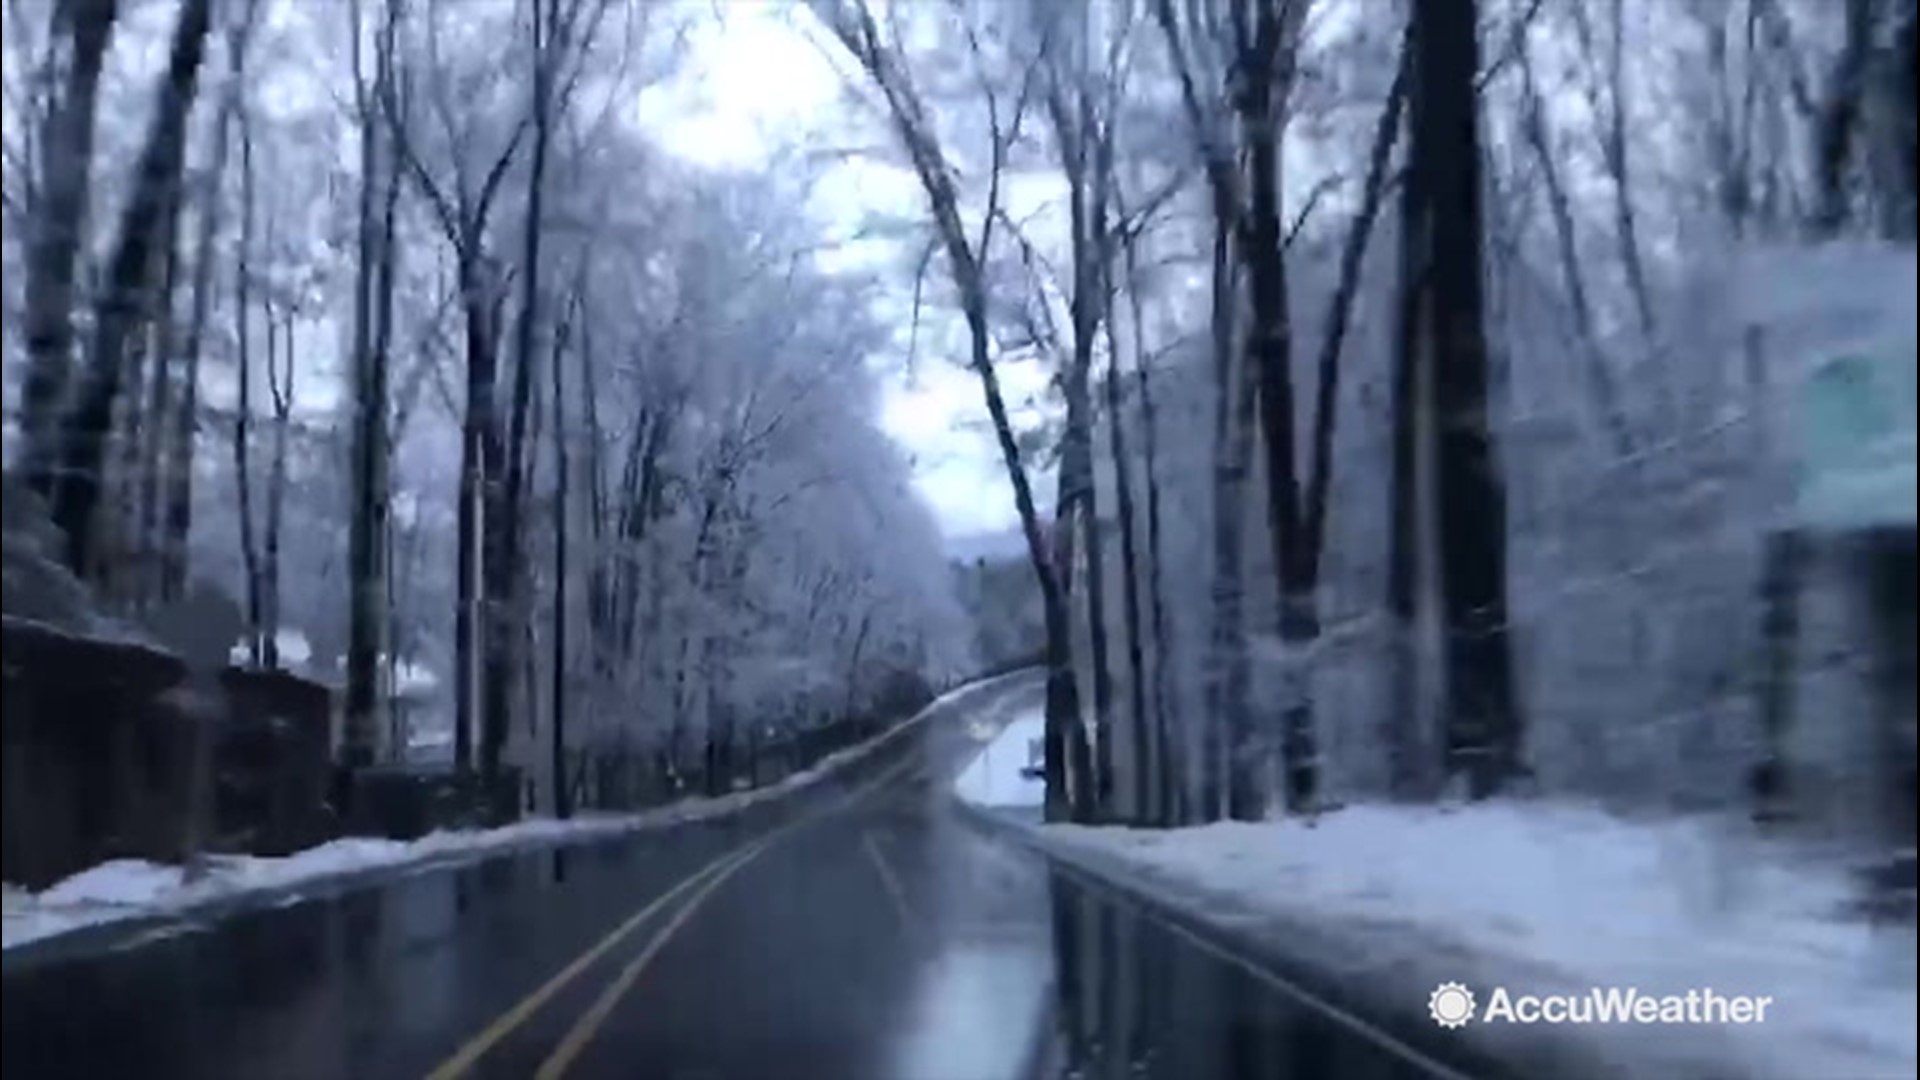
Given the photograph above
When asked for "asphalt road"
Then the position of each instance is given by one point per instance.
(860, 931)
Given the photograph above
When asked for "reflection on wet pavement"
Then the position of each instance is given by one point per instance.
(885, 940)
(1133, 1000)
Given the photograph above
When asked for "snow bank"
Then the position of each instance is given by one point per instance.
(995, 778)
(132, 888)
(1545, 898)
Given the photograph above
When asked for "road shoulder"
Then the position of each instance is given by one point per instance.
(93, 927)
(1378, 1001)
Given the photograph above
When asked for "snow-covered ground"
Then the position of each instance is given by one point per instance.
(995, 777)
(1546, 898)
(132, 888)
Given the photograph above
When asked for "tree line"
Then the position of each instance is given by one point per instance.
(393, 323)
(1296, 263)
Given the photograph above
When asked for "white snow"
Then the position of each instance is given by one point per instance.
(132, 888)
(994, 779)
(135, 888)
(1549, 898)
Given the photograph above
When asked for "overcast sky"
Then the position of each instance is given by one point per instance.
(755, 82)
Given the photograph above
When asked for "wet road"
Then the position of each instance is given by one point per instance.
(862, 930)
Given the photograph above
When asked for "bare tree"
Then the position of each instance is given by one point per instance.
(175, 395)
(1169, 787)
(1837, 134)
(280, 393)
(1607, 96)
(1228, 719)
(58, 234)
(558, 36)
(1483, 721)
(143, 443)
(1086, 145)
(463, 209)
(853, 24)
(242, 442)
(1601, 380)
(562, 481)
(369, 540)
(1264, 43)
(128, 288)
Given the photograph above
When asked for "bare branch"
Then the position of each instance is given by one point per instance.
(450, 223)
(1340, 308)
(1320, 190)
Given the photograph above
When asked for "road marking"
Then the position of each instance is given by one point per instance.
(589, 1024)
(470, 1053)
(888, 880)
(464, 1058)
(1090, 882)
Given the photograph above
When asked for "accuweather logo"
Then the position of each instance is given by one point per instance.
(1453, 1005)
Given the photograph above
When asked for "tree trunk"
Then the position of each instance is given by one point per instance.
(1063, 738)
(1483, 717)
(467, 602)
(476, 629)
(1074, 520)
(1076, 514)
(57, 236)
(1087, 161)
(853, 665)
(243, 400)
(511, 573)
(146, 442)
(1837, 133)
(1139, 729)
(497, 580)
(562, 796)
(1229, 678)
(1300, 577)
(483, 641)
(1269, 349)
(113, 548)
(280, 387)
(86, 428)
(1171, 786)
(480, 626)
(1626, 219)
(683, 690)
(1899, 221)
(370, 537)
(1409, 774)
(601, 576)
(175, 423)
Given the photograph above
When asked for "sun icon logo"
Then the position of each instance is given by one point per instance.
(1451, 1005)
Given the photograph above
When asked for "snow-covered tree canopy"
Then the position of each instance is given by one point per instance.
(411, 262)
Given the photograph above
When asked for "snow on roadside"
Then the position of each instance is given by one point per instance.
(135, 888)
(995, 778)
(132, 888)
(1546, 898)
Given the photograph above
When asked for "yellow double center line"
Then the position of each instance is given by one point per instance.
(697, 887)
(588, 1025)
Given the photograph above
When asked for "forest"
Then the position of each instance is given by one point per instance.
(1419, 374)
(1404, 426)
(480, 409)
